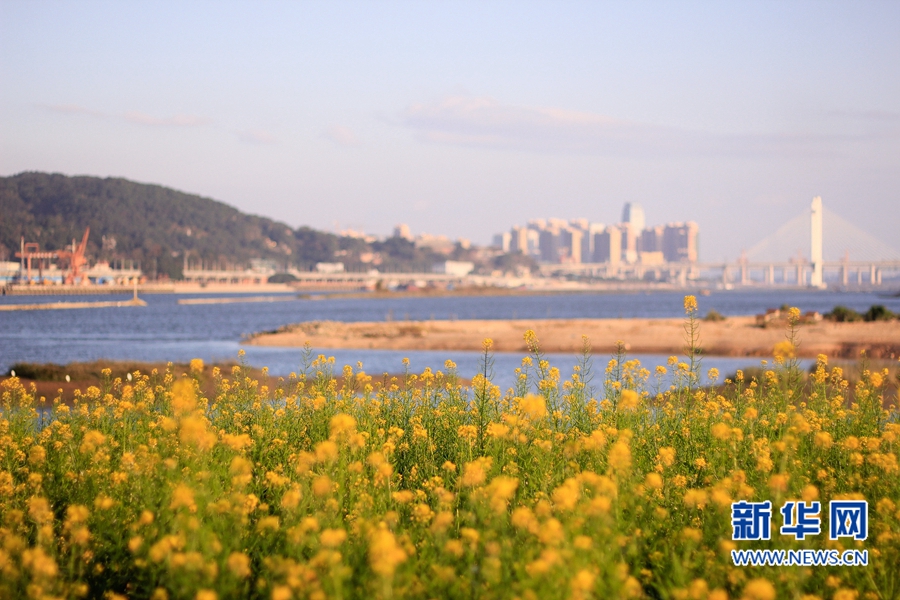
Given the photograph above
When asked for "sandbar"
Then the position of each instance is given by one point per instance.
(735, 336)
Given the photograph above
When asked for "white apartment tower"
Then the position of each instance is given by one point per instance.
(633, 214)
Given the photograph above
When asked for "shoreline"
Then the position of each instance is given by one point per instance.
(735, 336)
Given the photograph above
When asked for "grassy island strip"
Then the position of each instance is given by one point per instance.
(206, 483)
(735, 336)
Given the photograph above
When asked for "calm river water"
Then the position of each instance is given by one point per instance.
(167, 331)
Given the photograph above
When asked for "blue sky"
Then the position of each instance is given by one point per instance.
(464, 118)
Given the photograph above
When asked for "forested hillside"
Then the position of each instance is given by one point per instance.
(159, 226)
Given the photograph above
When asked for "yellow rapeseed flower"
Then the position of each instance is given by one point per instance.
(666, 456)
(184, 398)
(37, 455)
(341, 426)
(196, 366)
(823, 440)
(326, 451)
(784, 350)
(193, 432)
(237, 441)
(778, 483)
(566, 496)
(91, 441)
(533, 406)
(720, 431)
(332, 538)
(619, 457)
(628, 400)
(39, 510)
(475, 472)
(385, 554)
(531, 340)
(501, 490)
(695, 498)
(41, 565)
(75, 514)
(183, 497)
(497, 430)
(690, 304)
(103, 502)
(759, 589)
(653, 481)
(322, 485)
(239, 564)
(282, 592)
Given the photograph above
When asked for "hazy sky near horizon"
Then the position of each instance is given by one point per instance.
(464, 118)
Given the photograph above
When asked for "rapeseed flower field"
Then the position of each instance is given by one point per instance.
(615, 482)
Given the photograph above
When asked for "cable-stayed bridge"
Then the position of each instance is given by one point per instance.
(816, 248)
(841, 239)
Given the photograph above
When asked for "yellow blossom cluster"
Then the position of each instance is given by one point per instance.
(420, 487)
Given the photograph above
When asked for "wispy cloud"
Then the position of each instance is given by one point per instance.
(342, 136)
(256, 136)
(866, 115)
(487, 123)
(72, 109)
(173, 121)
(132, 116)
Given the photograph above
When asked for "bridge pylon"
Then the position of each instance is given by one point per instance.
(816, 243)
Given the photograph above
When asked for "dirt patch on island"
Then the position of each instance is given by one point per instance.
(735, 336)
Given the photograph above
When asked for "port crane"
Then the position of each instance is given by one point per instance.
(75, 257)
(31, 251)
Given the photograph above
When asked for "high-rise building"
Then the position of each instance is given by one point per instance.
(503, 241)
(651, 239)
(549, 245)
(633, 214)
(570, 244)
(681, 242)
(629, 242)
(518, 240)
(587, 241)
(608, 246)
(402, 231)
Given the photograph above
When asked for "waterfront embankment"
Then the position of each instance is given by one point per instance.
(236, 300)
(83, 290)
(73, 305)
(735, 336)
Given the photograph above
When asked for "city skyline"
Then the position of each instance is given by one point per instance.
(582, 241)
(451, 118)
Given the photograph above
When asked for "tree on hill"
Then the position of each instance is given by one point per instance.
(152, 224)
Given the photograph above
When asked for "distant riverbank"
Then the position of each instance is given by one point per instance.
(736, 336)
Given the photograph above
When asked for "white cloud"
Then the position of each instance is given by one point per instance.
(342, 136)
(485, 122)
(474, 121)
(256, 136)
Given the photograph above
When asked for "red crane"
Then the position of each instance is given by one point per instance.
(32, 251)
(75, 257)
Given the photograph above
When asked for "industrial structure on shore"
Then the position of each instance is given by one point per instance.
(570, 255)
(65, 267)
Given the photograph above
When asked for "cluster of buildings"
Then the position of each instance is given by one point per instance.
(436, 243)
(557, 241)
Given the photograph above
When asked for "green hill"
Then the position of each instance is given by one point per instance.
(159, 226)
